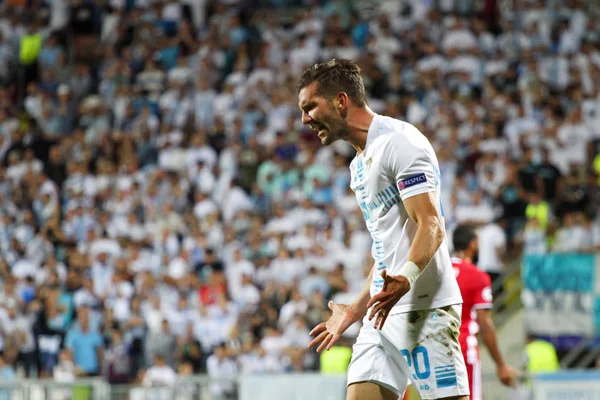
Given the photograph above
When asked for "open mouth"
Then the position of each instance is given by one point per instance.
(317, 127)
(320, 129)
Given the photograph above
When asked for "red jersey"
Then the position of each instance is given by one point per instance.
(476, 290)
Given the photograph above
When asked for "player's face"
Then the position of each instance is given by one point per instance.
(321, 115)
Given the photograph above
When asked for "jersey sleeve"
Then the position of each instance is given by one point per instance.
(483, 292)
(409, 165)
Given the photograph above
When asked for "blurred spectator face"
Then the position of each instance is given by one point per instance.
(545, 155)
(182, 304)
(88, 284)
(13, 159)
(135, 305)
(83, 318)
(54, 155)
(569, 220)
(156, 302)
(220, 352)
(237, 255)
(534, 198)
(185, 369)
(12, 311)
(65, 355)
(102, 258)
(53, 280)
(159, 360)
(28, 217)
(116, 337)
(246, 280)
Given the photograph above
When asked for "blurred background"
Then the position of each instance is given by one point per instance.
(166, 222)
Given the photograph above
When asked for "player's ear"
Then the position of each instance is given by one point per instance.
(341, 102)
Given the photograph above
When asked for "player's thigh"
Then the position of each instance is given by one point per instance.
(427, 342)
(369, 390)
(373, 363)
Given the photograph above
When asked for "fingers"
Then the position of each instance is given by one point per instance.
(381, 317)
(317, 329)
(385, 280)
(330, 305)
(375, 299)
(325, 342)
(318, 339)
(509, 377)
(378, 320)
(512, 381)
(509, 381)
(333, 341)
(376, 309)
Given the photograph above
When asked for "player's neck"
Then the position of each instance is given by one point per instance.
(358, 127)
(463, 256)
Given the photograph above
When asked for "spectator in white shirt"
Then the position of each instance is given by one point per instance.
(459, 37)
(492, 250)
(574, 136)
(533, 238)
(296, 306)
(64, 372)
(257, 361)
(160, 374)
(153, 315)
(220, 366)
(248, 296)
(181, 317)
(161, 378)
(572, 236)
(479, 212)
(234, 271)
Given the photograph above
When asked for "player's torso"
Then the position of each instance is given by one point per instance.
(466, 276)
(386, 218)
(384, 213)
(378, 198)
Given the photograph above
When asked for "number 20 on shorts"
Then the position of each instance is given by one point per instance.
(419, 361)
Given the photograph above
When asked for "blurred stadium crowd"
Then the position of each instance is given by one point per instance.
(162, 209)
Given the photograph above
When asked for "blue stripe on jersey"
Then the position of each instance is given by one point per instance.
(445, 376)
(443, 368)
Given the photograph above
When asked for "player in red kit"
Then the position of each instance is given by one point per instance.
(476, 289)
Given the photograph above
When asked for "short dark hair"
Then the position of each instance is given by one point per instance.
(336, 76)
(463, 235)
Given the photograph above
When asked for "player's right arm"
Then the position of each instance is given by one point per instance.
(359, 306)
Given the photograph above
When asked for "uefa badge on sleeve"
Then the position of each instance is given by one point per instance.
(411, 181)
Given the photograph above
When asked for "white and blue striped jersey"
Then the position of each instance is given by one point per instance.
(399, 162)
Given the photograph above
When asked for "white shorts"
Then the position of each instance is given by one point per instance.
(420, 346)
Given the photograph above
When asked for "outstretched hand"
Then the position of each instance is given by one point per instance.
(394, 287)
(329, 332)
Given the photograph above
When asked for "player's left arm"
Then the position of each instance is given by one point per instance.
(430, 229)
(483, 304)
(429, 237)
(487, 330)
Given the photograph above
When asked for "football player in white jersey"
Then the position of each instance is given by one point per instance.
(411, 303)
